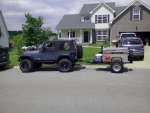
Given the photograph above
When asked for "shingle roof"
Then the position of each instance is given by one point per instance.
(119, 9)
(87, 8)
(73, 21)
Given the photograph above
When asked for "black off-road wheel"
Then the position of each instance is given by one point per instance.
(2, 67)
(116, 67)
(26, 65)
(79, 51)
(65, 65)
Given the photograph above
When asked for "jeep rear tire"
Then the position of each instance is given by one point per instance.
(116, 67)
(26, 65)
(65, 65)
(79, 51)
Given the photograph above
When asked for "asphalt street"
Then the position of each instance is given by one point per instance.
(82, 91)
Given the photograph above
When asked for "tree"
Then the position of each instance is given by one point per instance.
(33, 32)
(18, 42)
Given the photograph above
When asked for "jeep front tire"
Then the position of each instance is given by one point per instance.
(26, 65)
(65, 65)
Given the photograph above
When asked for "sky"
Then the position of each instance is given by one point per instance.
(51, 10)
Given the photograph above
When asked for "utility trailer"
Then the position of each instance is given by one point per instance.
(115, 57)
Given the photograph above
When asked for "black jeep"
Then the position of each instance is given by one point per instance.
(64, 53)
(4, 57)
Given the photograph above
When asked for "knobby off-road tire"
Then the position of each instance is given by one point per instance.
(79, 51)
(26, 65)
(116, 67)
(65, 65)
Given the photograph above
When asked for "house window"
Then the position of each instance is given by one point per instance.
(102, 18)
(102, 35)
(72, 34)
(136, 14)
(86, 18)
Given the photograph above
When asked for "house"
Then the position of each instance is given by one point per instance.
(100, 21)
(4, 36)
(134, 18)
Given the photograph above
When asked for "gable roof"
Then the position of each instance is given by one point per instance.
(87, 8)
(73, 21)
(109, 5)
(129, 7)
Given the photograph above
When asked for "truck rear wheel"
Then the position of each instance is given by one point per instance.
(26, 65)
(65, 65)
(116, 67)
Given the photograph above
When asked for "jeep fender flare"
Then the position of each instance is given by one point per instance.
(25, 57)
(64, 56)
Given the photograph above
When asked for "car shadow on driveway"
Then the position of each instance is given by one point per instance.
(77, 67)
(6, 68)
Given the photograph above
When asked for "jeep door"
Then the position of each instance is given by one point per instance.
(49, 52)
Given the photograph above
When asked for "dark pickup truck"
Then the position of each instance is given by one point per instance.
(64, 53)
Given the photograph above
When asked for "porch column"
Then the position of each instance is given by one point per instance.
(69, 34)
(58, 34)
(81, 34)
(91, 36)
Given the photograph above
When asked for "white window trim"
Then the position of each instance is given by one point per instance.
(136, 14)
(102, 35)
(102, 16)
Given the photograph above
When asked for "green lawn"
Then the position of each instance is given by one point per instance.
(13, 58)
(88, 56)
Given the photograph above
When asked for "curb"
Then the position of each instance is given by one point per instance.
(107, 66)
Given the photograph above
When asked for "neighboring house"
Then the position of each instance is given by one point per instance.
(134, 18)
(4, 36)
(99, 22)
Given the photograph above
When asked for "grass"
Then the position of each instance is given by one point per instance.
(88, 56)
(13, 58)
(100, 44)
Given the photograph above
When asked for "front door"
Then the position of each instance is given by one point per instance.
(86, 36)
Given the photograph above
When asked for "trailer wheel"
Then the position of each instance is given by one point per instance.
(116, 67)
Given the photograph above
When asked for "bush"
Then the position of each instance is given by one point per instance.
(18, 42)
